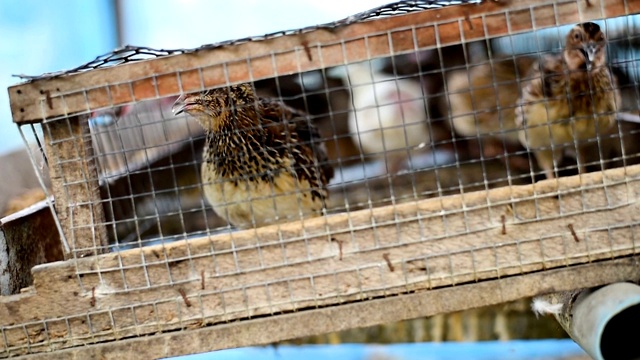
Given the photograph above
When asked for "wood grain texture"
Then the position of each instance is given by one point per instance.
(31, 238)
(361, 314)
(332, 261)
(74, 181)
(255, 60)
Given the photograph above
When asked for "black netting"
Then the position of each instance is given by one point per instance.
(131, 53)
(118, 56)
(399, 8)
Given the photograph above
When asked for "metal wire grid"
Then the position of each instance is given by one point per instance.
(243, 288)
(139, 174)
(149, 208)
(155, 219)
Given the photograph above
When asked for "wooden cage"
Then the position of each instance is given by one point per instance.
(148, 268)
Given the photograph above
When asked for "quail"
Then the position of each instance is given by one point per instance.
(568, 100)
(263, 162)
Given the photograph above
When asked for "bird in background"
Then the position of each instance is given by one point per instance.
(389, 115)
(263, 162)
(482, 104)
(568, 100)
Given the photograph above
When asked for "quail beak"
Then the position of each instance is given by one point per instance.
(589, 52)
(181, 105)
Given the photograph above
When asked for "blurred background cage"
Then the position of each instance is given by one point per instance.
(428, 211)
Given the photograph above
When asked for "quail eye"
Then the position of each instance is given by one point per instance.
(577, 36)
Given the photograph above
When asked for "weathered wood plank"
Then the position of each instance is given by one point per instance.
(75, 185)
(321, 48)
(361, 314)
(329, 261)
(31, 238)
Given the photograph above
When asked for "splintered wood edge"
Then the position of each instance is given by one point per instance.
(317, 49)
(26, 212)
(356, 315)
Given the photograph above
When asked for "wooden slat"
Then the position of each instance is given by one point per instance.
(31, 238)
(171, 75)
(75, 185)
(362, 314)
(429, 244)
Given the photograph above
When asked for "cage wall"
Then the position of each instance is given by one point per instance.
(424, 123)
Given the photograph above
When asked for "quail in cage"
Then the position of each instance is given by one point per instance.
(568, 100)
(263, 162)
(389, 117)
(482, 103)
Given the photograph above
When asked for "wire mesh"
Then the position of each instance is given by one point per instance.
(401, 133)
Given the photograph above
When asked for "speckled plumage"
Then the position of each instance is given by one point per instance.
(568, 99)
(262, 162)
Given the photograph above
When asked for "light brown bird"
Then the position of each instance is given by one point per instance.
(263, 162)
(568, 100)
(482, 103)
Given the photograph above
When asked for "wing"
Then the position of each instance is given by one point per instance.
(308, 151)
(545, 81)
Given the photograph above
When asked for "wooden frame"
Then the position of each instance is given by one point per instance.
(74, 179)
(509, 242)
(276, 328)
